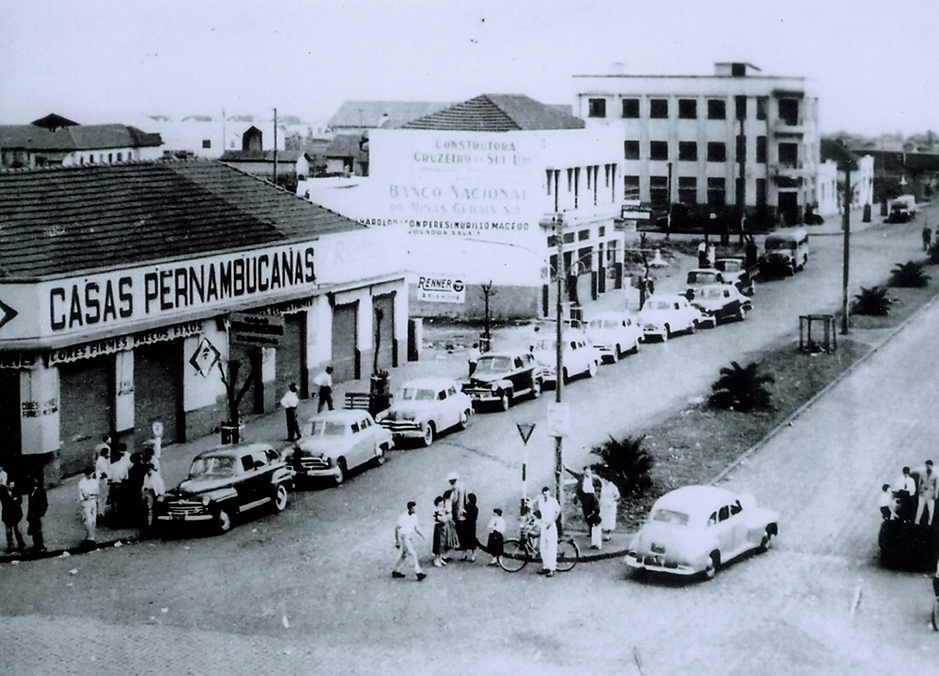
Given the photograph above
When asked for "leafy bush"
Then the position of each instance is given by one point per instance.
(873, 302)
(909, 275)
(933, 252)
(741, 388)
(625, 463)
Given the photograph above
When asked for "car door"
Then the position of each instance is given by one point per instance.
(724, 530)
(741, 527)
(359, 447)
(441, 411)
(454, 409)
(244, 482)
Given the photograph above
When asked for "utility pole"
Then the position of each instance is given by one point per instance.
(847, 247)
(275, 146)
(559, 362)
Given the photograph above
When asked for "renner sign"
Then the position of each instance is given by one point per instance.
(441, 290)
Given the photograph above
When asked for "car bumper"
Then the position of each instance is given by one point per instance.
(659, 564)
(404, 429)
(482, 396)
(184, 518)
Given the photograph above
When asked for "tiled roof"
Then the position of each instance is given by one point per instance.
(369, 114)
(77, 137)
(53, 121)
(498, 112)
(285, 156)
(71, 219)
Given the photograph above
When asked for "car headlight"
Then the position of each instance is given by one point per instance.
(206, 500)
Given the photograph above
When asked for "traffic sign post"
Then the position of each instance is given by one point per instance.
(524, 431)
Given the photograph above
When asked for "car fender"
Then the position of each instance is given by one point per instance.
(220, 495)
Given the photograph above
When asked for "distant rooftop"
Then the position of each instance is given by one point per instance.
(499, 113)
(381, 114)
(56, 133)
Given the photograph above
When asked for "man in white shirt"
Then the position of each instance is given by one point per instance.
(88, 499)
(405, 528)
(905, 488)
(103, 474)
(324, 381)
(472, 358)
(926, 495)
(290, 402)
(547, 510)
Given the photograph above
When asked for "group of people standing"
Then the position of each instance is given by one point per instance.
(11, 505)
(911, 497)
(599, 499)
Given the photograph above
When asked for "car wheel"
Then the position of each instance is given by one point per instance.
(635, 347)
(223, 521)
(771, 530)
(693, 327)
(505, 402)
(341, 470)
(428, 437)
(591, 369)
(614, 357)
(380, 455)
(668, 333)
(714, 562)
(280, 498)
(565, 376)
(536, 388)
(464, 419)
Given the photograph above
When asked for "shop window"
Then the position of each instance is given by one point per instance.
(687, 109)
(717, 192)
(717, 109)
(688, 190)
(631, 188)
(631, 150)
(789, 154)
(717, 152)
(740, 105)
(596, 107)
(658, 150)
(658, 109)
(762, 106)
(761, 149)
(631, 108)
(687, 151)
(658, 192)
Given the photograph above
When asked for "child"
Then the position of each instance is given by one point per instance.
(496, 535)
(441, 516)
(887, 503)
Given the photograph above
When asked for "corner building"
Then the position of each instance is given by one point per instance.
(733, 138)
(117, 293)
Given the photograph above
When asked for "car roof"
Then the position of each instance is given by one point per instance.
(717, 287)
(430, 383)
(347, 415)
(510, 355)
(695, 499)
(236, 451)
(670, 297)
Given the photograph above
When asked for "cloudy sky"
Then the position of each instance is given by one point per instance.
(873, 62)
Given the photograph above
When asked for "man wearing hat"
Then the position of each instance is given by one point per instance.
(457, 500)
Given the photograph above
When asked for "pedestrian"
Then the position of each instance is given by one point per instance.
(926, 494)
(12, 503)
(405, 528)
(120, 466)
(38, 505)
(702, 255)
(324, 381)
(547, 510)
(927, 238)
(105, 445)
(534, 337)
(441, 541)
(905, 489)
(290, 402)
(103, 474)
(457, 496)
(589, 503)
(750, 253)
(88, 500)
(153, 489)
(472, 358)
(609, 503)
(466, 529)
(496, 529)
(133, 491)
(886, 503)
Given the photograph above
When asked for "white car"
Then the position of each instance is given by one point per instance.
(425, 407)
(614, 334)
(335, 442)
(697, 529)
(580, 357)
(720, 303)
(666, 315)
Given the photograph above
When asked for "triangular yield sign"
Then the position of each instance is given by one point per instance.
(525, 430)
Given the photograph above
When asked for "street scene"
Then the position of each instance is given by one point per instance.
(424, 389)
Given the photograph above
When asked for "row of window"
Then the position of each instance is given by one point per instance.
(573, 182)
(688, 108)
(716, 151)
(101, 160)
(688, 190)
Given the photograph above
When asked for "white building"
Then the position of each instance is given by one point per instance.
(735, 137)
(830, 184)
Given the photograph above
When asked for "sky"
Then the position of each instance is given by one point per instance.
(871, 62)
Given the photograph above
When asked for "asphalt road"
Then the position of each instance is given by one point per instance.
(309, 591)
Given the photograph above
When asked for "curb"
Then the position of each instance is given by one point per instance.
(82, 548)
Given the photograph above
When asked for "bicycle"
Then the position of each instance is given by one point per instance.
(516, 553)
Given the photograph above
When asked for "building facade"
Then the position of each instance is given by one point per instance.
(125, 287)
(733, 138)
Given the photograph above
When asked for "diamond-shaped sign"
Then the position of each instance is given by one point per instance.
(525, 430)
(205, 357)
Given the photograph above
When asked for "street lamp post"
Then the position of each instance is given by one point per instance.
(559, 360)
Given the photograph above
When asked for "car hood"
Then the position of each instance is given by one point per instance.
(488, 378)
(320, 446)
(191, 487)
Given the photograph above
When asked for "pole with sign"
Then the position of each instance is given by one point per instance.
(524, 431)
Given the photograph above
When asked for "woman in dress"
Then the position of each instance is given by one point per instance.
(609, 501)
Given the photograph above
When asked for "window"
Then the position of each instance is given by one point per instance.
(601, 231)
(582, 235)
(120, 157)
(110, 157)
(206, 143)
(631, 108)
(789, 154)
(789, 111)
(658, 192)
(717, 109)
(688, 190)
(631, 188)
(761, 192)
(717, 152)
(568, 237)
(552, 241)
(741, 154)
(631, 150)
(724, 513)
(740, 186)
(761, 149)
(717, 192)
(740, 105)
(658, 109)
(658, 150)
(687, 109)
(596, 107)
(762, 105)
(687, 151)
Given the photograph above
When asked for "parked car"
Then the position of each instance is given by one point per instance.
(721, 302)
(425, 407)
(503, 377)
(666, 315)
(909, 546)
(697, 529)
(335, 442)
(224, 483)
(580, 357)
(614, 334)
(701, 277)
(734, 271)
(900, 213)
(785, 251)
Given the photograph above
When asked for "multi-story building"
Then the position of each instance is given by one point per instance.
(733, 138)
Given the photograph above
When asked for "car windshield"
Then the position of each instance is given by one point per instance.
(732, 266)
(670, 516)
(415, 394)
(212, 466)
(702, 277)
(494, 365)
(712, 294)
(604, 324)
(326, 428)
(779, 244)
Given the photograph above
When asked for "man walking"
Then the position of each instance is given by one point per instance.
(927, 237)
(12, 505)
(547, 511)
(88, 499)
(324, 381)
(38, 504)
(290, 402)
(472, 358)
(926, 494)
(405, 528)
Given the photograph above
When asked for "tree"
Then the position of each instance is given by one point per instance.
(741, 388)
(625, 463)
(872, 302)
(235, 395)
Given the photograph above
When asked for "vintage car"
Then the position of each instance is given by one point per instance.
(785, 252)
(580, 357)
(697, 529)
(719, 303)
(335, 442)
(614, 334)
(425, 407)
(503, 377)
(734, 271)
(665, 315)
(224, 483)
(905, 545)
(701, 277)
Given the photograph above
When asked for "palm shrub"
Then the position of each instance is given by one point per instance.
(872, 301)
(933, 252)
(741, 388)
(909, 275)
(626, 463)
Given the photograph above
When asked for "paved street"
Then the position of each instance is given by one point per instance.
(308, 591)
